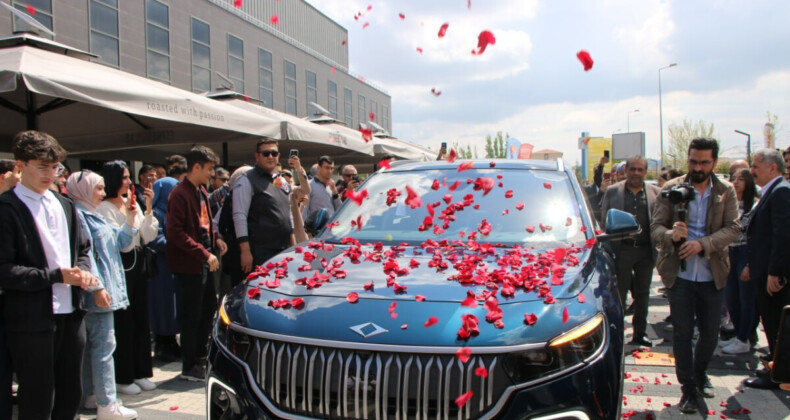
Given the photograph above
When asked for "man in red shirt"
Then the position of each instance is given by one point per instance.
(192, 240)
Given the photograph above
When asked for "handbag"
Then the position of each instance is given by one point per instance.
(149, 257)
(780, 372)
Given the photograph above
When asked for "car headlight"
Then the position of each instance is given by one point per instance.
(234, 341)
(567, 350)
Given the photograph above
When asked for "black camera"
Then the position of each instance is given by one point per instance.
(678, 194)
(356, 179)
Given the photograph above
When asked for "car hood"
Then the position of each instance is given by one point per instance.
(327, 313)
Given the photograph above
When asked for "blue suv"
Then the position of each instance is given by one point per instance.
(465, 290)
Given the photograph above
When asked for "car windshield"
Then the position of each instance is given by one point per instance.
(523, 206)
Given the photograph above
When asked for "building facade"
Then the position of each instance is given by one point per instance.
(203, 45)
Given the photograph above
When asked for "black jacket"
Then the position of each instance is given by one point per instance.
(25, 280)
(768, 234)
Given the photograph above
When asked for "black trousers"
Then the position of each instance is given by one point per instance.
(634, 273)
(6, 372)
(197, 302)
(770, 308)
(48, 365)
(132, 357)
(689, 300)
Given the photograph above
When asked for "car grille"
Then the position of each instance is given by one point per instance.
(325, 382)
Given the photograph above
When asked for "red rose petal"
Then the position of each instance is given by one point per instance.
(356, 196)
(581, 298)
(367, 133)
(465, 166)
(365, 25)
(454, 186)
(401, 16)
(461, 401)
(530, 229)
(438, 93)
(236, 3)
(384, 163)
(352, 297)
(485, 39)
(509, 194)
(431, 321)
(297, 303)
(274, 19)
(404, 326)
(530, 319)
(519, 206)
(463, 354)
(547, 185)
(175, 407)
(372, 116)
(412, 199)
(419, 298)
(451, 157)
(254, 292)
(419, 50)
(481, 371)
(565, 315)
(585, 59)
(443, 30)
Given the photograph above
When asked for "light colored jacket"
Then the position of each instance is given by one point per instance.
(722, 227)
(106, 265)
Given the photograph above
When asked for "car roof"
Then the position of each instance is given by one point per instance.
(410, 165)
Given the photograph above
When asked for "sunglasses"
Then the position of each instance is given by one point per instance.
(267, 153)
(223, 179)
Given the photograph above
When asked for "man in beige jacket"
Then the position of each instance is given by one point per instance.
(696, 290)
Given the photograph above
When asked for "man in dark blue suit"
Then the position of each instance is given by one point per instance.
(768, 241)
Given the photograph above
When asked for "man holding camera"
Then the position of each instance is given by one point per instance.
(693, 262)
(634, 259)
(768, 244)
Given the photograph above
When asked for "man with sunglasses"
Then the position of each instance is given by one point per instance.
(262, 209)
(696, 290)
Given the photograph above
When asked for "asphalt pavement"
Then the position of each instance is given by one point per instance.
(651, 390)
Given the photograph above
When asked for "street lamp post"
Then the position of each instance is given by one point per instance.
(629, 119)
(661, 111)
(748, 146)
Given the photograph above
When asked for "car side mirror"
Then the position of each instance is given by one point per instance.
(619, 225)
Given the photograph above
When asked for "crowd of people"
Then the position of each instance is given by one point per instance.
(720, 249)
(94, 267)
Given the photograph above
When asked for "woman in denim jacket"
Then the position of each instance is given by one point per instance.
(86, 188)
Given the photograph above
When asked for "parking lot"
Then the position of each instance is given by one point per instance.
(650, 384)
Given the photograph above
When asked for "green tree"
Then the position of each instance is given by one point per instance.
(495, 147)
(680, 135)
(464, 153)
(723, 168)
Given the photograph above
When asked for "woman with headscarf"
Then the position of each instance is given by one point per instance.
(86, 188)
(133, 365)
(162, 291)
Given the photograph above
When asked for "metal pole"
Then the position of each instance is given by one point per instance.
(748, 146)
(661, 111)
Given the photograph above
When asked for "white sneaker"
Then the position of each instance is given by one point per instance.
(145, 384)
(90, 402)
(736, 347)
(725, 343)
(128, 389)
(115, 411)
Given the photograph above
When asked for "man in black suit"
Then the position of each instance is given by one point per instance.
(634, 258)
(43, 256)
(768, 242)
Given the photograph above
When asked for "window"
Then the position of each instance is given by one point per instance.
(104, 31)
(385, 117)
(312, 90)
(43, 14)
(361, 105)
(348, 107)
(374, 108)
(290, 87)
(265, 80)
(236, 62)
(332, 102)
(201, 56)
(157, 40)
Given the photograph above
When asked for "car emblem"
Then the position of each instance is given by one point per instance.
(368, 329)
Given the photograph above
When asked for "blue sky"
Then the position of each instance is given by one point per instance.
(733, 65)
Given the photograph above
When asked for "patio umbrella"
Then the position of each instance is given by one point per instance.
(96, 111)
